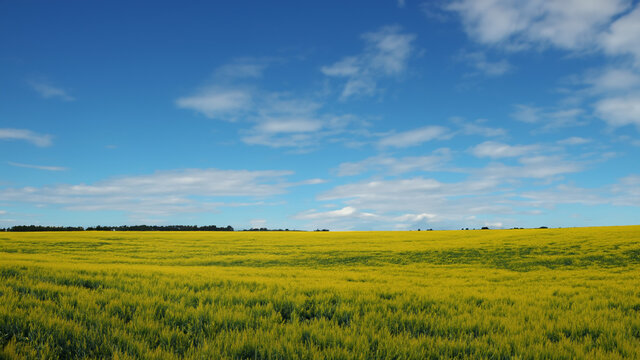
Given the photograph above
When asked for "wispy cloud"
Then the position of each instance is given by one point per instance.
(572, 25)
(620, 111)
(386, 54)
(345, 212)
(49, 91)
(621, 39)
(217, 102)
(41, 140)
(613, 92)
(267, 118)
(532, 167)
(574, 140)
(416, 136)
(550, 119)
(160, 194)
(483, 195)
(479, 61)
(608, 27)
(38, 167)
(396, 166)
(242, 68)
(496, 150)
(625, 192)
(477, 127)
(280, 120)
(612, 79)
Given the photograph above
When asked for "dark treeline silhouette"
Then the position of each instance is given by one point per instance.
(265, 229)
(160, 228)
(25, 228)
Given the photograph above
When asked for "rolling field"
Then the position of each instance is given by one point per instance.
(495, 294)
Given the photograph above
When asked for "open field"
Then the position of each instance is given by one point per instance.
(499, 294)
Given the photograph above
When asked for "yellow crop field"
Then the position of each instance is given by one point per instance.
(493, 294)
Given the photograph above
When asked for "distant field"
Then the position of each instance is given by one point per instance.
(495, 294)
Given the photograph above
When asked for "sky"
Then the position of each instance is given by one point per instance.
(358, 115)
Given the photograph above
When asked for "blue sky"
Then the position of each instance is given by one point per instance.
(352, 115)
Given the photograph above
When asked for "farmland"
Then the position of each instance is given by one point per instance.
(495, 294)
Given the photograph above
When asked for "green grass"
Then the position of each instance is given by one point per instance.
(500, 294)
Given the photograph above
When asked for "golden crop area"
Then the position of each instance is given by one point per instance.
(493, 294)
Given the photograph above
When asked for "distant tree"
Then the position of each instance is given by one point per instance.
(26, 228)
(122, 228)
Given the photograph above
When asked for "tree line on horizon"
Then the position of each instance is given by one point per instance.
(28, 228)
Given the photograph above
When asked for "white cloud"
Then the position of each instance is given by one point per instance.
(414, 218)
(340, 219)
(417, 199)
(490, 21)
(241, 68)
(526, 114)
(304, 141)
(435, 10)
(574, 140)
(613, 92)
(566, 24)
(608, 26)
(625, 192)
(389, 49)
(41, 140)
(546, 167)
(48, 91)
(162, 193)
(490, 68)
(416, 136)
(495, 150)
(359, 86)
(395, 166)
(38, 167)
(620, 111)
(401, 3)
(541, 167)
(386, 53)
(349, 66)
(550, 119)
(497, 224)
(274, 119)
(612, 79)
(564, 118)
(282, 121)
(486, 195)
(477, 128)
(622, 37)
(216, 102)
(344, 212)
(275, 126)
(258, 223)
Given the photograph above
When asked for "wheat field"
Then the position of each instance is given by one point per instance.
(477, 294)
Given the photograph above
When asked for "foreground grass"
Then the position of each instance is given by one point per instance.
(545, 293)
